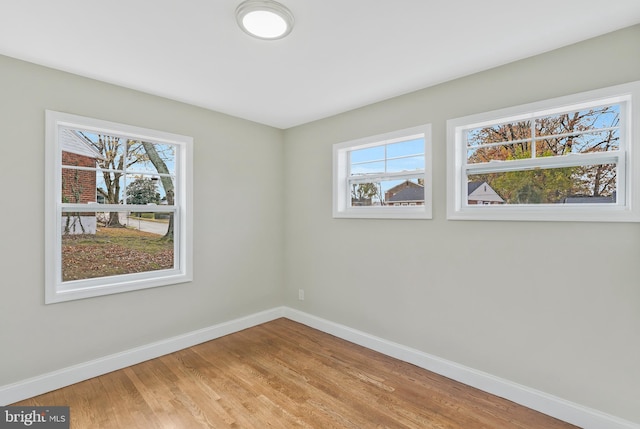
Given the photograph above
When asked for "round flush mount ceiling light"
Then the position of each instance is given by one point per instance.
(264, 19)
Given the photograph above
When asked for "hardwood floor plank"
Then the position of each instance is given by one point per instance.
(284, 375)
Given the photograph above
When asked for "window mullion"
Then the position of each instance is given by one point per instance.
(385, 158)
(66, 207)
(357, 179)
(533, 139)
(577, 133)
(494, 144)
(571, 160)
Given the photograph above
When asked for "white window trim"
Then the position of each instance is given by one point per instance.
(341, 195)
(58, 291)
(626, 210)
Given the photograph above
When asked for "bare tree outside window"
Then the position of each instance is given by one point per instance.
(579, 132)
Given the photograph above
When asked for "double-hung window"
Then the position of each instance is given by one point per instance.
(384, 176)
(118, 208)
(572, 158)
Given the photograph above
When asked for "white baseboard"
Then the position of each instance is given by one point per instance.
(31, 387)
(548, 404)
(559, 408)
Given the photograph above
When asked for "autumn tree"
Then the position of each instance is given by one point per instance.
(585, 131)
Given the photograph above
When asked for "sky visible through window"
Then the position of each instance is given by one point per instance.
(377, 161)
(131, 159)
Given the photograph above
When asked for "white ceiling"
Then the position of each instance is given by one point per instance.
(342, 54)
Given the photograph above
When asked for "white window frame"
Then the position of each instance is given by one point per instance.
(58, 291)
(627, 207)
(341, 191)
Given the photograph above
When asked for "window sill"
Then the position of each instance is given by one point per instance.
(420, 212)
(545, 213)
(110, 285)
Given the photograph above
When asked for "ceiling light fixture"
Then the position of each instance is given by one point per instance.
(264, 19)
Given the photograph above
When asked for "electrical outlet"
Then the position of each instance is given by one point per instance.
(301, 294)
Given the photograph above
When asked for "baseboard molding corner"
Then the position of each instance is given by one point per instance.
(559, 408)
(38, 385)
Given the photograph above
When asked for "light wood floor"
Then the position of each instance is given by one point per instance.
(283, 375)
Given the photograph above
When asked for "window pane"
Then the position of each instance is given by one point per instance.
(368, 168)
(78, 186)
(375, 153)
(101, 251)
(77, 149)
(594, 184)
(365, 194)
(78, 159)
(403, 192)
(409, 147)
(600, 141)
(582, 120)
(110, 149)
(147, 189)
(79, 223)
(405, 164)
(388, 193)
(110, 187)
(145, 157)
(505, 152)
(499, 133)
(399, 157)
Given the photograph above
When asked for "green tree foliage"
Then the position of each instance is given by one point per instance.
(556, 135)
(533, 186)
(363, 194)
(143, 191)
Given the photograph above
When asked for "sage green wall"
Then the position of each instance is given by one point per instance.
(553, 306)
(238, 226)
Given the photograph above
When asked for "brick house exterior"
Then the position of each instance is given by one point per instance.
(78, 186)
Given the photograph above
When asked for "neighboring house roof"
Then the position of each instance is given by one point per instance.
(472, 186)
(403, 185)
(71, 142)
(482, 191)
(413, 193)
